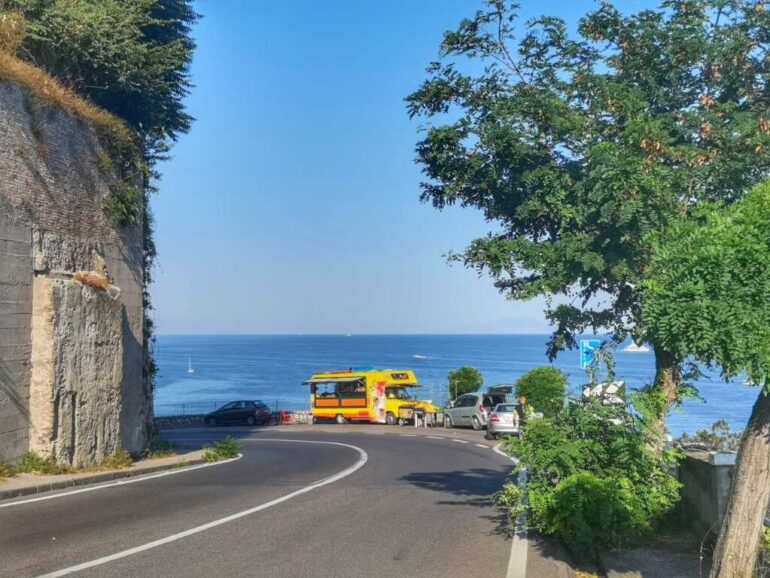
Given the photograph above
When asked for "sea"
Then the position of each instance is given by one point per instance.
(198, 373)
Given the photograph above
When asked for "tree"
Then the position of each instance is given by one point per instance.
(545, 388)
(708, 296)
(130, 57)
(580, 146)
(464, 380)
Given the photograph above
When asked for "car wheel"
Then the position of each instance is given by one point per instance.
(341, 419)
(211, 422)
(401, 421)
(251, 420)
(490, 436)
(448, 422)
(476, 423)
(390, 419)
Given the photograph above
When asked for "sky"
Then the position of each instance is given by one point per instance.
(292, 206)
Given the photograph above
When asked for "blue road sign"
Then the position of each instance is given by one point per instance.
(588, 349)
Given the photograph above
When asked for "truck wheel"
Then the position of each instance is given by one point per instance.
(341, 419)
(476, 423)
(390, 419)
(448, 422)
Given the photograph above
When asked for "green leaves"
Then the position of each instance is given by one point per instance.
(583, 147)
(130, 57)
(708, 292)
(464, 380)
(593, 481)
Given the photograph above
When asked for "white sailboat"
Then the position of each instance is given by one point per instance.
(190, 368)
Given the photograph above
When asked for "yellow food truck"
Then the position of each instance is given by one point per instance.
(373, 395)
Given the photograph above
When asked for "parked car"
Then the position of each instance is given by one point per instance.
(472, 409)
(504, 419)
(248, 412)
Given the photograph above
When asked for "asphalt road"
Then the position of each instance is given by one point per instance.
(417, 507)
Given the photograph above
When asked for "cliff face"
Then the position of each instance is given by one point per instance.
(71, 355)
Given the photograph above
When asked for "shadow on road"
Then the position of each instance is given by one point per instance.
(474, 487)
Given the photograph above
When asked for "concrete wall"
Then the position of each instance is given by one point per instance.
(88, 342)
(706, 479)
(15, 336)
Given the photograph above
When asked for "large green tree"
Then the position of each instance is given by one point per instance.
(708, 296)
(579, 145)
(130, 57)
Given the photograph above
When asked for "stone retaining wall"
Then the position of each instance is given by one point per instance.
(83, 352)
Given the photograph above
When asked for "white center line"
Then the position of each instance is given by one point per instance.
(434, 437)
(460, 441)
(482, 446)
(363, 457)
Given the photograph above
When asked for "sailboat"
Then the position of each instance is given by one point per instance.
(190, 368)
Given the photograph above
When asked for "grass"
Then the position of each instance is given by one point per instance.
(160, 447)
(223, 449)
(32, 463)
(50, 90)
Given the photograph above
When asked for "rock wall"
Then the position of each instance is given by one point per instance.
(71, 355)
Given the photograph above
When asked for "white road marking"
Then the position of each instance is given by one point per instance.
(409, 435)
(122, 482)
(362, 458)
(434, 438)
(460, 441)
(517, 561)
(482, 446)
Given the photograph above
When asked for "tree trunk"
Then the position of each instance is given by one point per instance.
(738, 545)
(668, 376)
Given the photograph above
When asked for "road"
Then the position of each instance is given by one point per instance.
(387, 504)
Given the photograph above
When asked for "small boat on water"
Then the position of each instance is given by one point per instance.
(190, 368)
(634, 348)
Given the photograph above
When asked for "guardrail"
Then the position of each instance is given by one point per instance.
(203, 407)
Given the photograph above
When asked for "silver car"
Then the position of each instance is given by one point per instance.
(472, 409)
(503, 420)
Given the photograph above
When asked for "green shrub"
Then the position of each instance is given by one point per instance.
(545, 388)
(223, 449)
(593, 481)
(6, 471)
(31, 463)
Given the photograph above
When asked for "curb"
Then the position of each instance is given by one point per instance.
(94, 479)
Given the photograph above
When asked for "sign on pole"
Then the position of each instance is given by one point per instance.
(588, 349)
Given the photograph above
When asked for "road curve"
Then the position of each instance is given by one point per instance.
(417, 507)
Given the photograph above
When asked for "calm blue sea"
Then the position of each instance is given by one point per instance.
(273, 367)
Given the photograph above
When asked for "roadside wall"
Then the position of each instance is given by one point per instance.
(90, 396)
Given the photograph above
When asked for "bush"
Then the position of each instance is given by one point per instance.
(545, 388)
(6, 471)
(222, 450)
(594, 483)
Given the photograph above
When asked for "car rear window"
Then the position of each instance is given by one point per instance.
(505, 408)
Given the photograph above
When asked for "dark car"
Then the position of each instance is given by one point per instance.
(248, 412)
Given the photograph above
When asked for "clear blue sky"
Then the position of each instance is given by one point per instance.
(293, 204)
